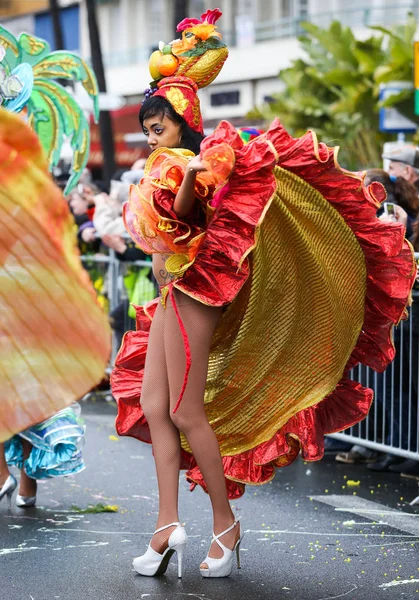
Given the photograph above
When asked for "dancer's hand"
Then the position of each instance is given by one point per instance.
(195, 164)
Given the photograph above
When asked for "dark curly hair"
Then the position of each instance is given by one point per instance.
(158, 106)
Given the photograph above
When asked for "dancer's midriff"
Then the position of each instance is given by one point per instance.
(159, 269)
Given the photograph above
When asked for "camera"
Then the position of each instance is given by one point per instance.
(389, 208)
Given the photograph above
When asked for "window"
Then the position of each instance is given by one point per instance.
(285, 9)
(225, 98)
(69, 18)
(197, 8)
(245, 7)
(303, 9)
(155, 20)
(265, 11)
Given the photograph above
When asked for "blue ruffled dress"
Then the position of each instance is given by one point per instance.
(56, 446)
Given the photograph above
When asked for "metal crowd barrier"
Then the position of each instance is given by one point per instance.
(107, 275)
(392, 425)
(393, 422)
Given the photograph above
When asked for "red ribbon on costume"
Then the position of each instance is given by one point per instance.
(185, 345)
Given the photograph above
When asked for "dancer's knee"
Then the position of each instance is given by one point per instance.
(186, 420)
(154, 408)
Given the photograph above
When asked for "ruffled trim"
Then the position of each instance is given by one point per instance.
(231, 235)
(390, 276)
(149, 216)
(241, 207)
(388, 255)
(56, 446)
(346, 406)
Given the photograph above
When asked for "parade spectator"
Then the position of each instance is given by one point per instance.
(125, 249)
(404, 162)
(79, 206)
(107, 218)
(139, 164)
(108, 209)
(82, 205)
(399, 192)
(137, 281)
(136, 173)
(404, 377)
(399, 382)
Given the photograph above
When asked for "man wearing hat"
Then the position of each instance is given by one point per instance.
(404, 162)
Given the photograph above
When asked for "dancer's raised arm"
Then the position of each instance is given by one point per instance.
(185, 198)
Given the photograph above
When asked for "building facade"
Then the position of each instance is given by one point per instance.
(33, 16)
(262, 36)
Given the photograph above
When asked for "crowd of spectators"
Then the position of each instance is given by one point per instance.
(395, 409)
(97, 211)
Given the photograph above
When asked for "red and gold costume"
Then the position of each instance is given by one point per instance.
(311, 281)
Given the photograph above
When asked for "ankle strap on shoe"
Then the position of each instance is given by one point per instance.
(215, 538)
(177, 524)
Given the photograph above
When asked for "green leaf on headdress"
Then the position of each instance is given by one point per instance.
(66, 65)
(44, 118)
(10, 44)
(33, 48)
(201, 47)
(53, 114)
(214, 42)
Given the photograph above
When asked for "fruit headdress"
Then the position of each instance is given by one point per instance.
(180, 68)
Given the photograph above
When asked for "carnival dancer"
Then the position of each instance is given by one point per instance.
(271, 266)
(54, 337)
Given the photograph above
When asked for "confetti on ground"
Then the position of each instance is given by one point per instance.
(402, 582)
(352, 483)
(96, 508)
(114, 438)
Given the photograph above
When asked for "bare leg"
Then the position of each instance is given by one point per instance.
(200, 322)
(4, 469)
(164, 435)
(27, 486)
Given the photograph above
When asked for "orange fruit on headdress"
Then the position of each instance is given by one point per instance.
(168, 64)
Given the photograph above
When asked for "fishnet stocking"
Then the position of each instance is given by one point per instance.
(199, 321)
(164, 434)
(163, 379)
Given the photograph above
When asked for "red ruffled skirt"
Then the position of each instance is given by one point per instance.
(313, 283)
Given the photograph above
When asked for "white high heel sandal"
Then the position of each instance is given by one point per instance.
(7, 489)
(152, 563)
(222, 567)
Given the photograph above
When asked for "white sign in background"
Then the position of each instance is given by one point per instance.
(390, 119)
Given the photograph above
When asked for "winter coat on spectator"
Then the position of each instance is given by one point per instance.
(107, 218)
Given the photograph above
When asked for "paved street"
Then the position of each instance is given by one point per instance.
(312, 534)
